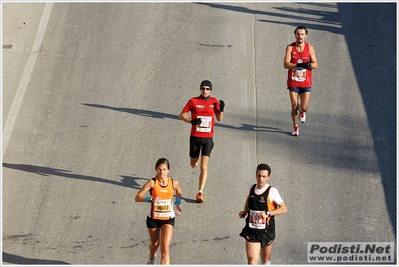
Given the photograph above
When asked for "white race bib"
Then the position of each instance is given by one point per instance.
(163, 208)
(255, 220)
(206, 124)
(298, 75)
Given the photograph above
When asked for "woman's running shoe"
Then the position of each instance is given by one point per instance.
(200, 198)
(151, 261)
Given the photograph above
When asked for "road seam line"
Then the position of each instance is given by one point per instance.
(17, 102)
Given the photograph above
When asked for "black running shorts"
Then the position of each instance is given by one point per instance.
(201, 146)
(153, 223)
(265, 239)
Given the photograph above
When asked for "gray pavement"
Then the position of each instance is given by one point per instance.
(101, 106)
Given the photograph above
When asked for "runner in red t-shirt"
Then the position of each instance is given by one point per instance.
(300, 60)
(204, 109)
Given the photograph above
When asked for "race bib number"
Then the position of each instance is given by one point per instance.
(298, 75)
(255, 220)
(163, 208)
(206, 124)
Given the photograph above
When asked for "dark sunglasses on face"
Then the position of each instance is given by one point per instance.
(205, 88)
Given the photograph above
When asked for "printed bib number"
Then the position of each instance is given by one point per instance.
(255, 220)
(163, 208)
(298, 75)
(206, 124)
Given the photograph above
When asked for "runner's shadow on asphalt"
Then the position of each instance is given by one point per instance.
(127, 181)
(250, 127)
(162, 115)
(188, 200)
(140, 112)
(130, 181)
(15, 259)
(275, 16)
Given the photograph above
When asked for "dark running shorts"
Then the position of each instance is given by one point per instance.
(153, 223)
(265, 239)
(200, 145)
(300, 90)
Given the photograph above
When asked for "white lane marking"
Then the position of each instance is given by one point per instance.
(254, 84)
(16, 104)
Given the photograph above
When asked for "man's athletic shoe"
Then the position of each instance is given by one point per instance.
(302, 116)
(295, 131)
(298, 109)
(151, 261)
(200, 197)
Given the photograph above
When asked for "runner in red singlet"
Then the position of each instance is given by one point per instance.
(203, 109)
(300, 60)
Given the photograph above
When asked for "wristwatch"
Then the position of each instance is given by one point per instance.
(269, 213)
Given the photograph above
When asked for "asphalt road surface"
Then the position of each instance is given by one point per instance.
(91, 97)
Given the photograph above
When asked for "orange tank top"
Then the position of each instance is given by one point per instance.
(163, 210)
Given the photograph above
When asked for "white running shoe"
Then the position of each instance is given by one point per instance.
(302, 116)
(295, 131)
(298, 109)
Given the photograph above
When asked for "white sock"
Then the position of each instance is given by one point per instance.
(265, 263)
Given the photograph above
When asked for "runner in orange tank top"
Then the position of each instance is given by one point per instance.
(161, 220)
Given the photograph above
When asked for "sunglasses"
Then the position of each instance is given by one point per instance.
(206, 88)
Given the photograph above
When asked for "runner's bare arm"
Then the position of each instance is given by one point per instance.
(313, 59)
(178, 190)
(146, 187)
(183, 116)
(287, 58)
